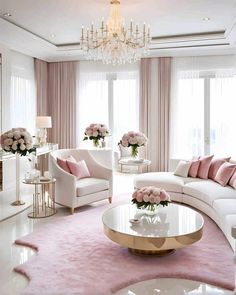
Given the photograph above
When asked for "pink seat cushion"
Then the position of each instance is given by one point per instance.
(194, 168)
(79, 169)
(232, 181)
(204, 166)
(224, 173)
(215, 165)
(63, 164)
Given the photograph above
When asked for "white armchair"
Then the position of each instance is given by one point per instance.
(74, 193)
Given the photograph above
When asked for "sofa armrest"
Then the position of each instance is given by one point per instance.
(65, 184)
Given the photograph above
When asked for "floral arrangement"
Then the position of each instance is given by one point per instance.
(17, 140)
(149, 197)
(96, 132)
(133, 139)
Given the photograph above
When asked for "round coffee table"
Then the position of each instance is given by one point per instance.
(173, 227)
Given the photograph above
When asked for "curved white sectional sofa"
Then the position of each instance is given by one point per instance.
(216, 201)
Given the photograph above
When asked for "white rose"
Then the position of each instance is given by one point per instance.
(28, 146)
(22, 147)
(10, 134)
(132, 140)
(21, 141)
(16, 135)
(95, 133)
(14, 147)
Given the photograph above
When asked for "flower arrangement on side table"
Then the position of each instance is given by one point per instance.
(149, 197)
(96, 132)
(135, 140)
(17, 141)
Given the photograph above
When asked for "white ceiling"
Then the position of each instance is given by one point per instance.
(177, 25)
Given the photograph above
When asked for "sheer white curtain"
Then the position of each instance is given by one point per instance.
(107, 95)
(222, 114)
(23, 93)
(187, 110)
(202, 106)
(126, 104)
(92, 102)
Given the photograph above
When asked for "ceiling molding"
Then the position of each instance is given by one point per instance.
(26, 30)
(191, 46)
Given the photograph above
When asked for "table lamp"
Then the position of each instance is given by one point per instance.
(42, 123)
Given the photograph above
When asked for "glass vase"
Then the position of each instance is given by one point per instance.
(150, 210)
(134, 151)
(96, 142)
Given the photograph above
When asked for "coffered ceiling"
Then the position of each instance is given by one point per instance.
(50, 29)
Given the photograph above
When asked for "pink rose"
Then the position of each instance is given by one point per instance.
(163, 196)
(139, 197)
(157, 200)
(152, 199)
(146, 198)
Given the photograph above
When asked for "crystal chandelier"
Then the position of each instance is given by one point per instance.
(112, 42)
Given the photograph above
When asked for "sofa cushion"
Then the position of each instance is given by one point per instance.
(232, 181)
(208, 191)
(225, 207)
(224, 173)
(165, 180)
(182, 168)
(204, 166)
(86, 186)
(215, 165)
(194, 168)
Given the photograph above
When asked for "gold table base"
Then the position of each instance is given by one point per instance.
(18, 203)
(152, 252)
(42, 214)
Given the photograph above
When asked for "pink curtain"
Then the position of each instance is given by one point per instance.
(41, 77)
(56, 97)
(164, 84)
(155, 75)
(62, 102)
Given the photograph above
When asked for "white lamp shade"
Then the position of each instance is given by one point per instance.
(44, 122)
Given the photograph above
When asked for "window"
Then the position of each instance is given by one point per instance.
(23, 92)
(23, 103)
(203, 115)
(109, 98)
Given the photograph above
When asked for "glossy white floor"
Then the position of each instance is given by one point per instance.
(12, 283)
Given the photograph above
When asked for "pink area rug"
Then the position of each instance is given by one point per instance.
(75, 257)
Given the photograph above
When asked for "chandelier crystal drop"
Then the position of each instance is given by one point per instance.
(112, 42)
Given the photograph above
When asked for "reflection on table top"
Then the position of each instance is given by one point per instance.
(174, 220)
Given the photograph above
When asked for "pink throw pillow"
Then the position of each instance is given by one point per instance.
(63, 164)
(79, 169)
(204, 166)
(215, 165)
(194, 168)
(232, 181)
(224, 173)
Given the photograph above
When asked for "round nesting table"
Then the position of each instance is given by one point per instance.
(43, 197)
(130, 162)
(173, 227)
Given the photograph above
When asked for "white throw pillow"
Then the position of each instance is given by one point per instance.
(182, 168)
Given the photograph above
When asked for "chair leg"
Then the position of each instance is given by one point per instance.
(72, 210)
(110, 200)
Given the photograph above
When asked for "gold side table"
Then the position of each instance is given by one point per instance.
(43, 197)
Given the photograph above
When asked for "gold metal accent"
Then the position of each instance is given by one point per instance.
(43, 198)
(149, 252)
(18, 203)
(72, 210)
